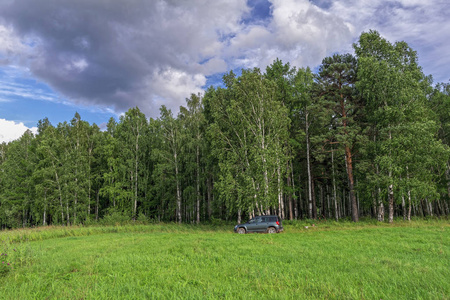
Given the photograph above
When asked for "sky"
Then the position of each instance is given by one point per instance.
(101, 57)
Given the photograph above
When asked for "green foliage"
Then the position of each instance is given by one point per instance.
(285, 141)
(407, 154)
(115, 217)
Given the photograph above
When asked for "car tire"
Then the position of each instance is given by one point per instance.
(241, 230)
(271, 230)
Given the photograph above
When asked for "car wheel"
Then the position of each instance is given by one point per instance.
(241, 230)
(271, 230)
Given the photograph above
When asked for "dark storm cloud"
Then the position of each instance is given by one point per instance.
(78, 45)
(109, 52)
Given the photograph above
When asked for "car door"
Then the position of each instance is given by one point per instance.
(251, 225)
(260, 224)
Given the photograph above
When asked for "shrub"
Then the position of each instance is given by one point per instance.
(115, 217)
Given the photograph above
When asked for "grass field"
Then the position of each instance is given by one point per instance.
(328, 261)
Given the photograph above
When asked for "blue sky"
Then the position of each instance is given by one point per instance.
(99, 58)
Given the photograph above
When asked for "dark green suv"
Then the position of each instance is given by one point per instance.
(269, 224)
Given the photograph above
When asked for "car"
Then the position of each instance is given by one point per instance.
(268, 224)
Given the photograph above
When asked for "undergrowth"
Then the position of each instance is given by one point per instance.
(14, 254)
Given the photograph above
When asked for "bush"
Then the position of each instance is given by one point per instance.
(142, 218)
(114, 217)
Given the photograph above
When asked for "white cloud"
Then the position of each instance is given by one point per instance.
(11, 130)
(299, 32)
(78, 65)
(213, 66)
(168, 86)
(10, 44)
(424, 25)
(303, 33)
(159, 52)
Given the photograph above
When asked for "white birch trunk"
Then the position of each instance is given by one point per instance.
(391, 190)
(408, 215)
(178, 189)
(403, 207)
(391, 203)
(447, 174)
(60, 194)
(310, 208)
(45, 208)
(280, 192)
(198, 185)
(295, 197)
(136, 165)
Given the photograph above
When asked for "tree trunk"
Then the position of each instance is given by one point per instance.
(308, 163)
(198, 185)
(45, 208)
(289, 179)
(89, 183)
(75, 208)
(380, 207)
(403, 207)
(439, 210)
(336, 211)
(447, 175)
(280, 191)
(178, 192)
(429, 206)
(322, 205)
(209, 192)
(136, 164)
(328, 202)
(391, 203)
(351, 185)
(293, 191)
(60, 194)
(409, 205)
(314, 206)
(409, 196)
(349, 161)
(96, 204)
(67, 211)
(391, 189)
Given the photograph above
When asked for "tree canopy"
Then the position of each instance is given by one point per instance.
(365, 134)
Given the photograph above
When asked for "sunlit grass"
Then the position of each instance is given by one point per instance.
(325, 261)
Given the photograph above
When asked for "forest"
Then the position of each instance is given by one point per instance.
(363, 135)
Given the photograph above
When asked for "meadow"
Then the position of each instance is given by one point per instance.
(367, 260)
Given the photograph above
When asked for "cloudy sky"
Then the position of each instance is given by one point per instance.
(101, 57)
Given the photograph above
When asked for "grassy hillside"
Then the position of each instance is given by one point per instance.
(327, 261)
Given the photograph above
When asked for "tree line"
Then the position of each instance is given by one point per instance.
(364, 135)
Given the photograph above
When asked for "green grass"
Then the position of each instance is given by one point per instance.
(331, 260)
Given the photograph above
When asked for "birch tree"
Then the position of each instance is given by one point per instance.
(131, 130)
(394, 87)
(168, 156)
(195, 122)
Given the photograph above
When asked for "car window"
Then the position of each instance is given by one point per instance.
(252, 221)
(258, 219)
